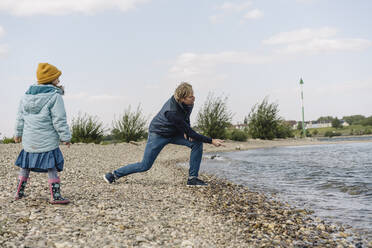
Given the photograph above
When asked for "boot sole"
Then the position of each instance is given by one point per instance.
(107, 181)
(60, 202)
(19, 198)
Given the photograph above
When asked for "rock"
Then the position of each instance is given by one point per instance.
(134, 143)
(289, 222)
(343, 235)
(186, 244)
(63, 244)
(271, 226)
(321, 227)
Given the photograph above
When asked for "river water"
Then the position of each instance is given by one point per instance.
(334, 180)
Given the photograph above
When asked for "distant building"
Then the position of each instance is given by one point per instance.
(294, 124)
(313, 124)
(344, 123)
(240, 126)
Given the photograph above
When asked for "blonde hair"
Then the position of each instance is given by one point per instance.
(182, 91)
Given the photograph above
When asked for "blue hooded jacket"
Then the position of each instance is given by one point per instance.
(41, 119)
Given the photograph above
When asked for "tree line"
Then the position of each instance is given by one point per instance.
(213, 120)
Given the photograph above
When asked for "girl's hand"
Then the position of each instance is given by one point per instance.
(66, 143)
(217, 142)
(17, 139)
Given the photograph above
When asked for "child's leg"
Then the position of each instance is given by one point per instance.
(22, 181)
(24, 173)
(55, 188)
(53, 174)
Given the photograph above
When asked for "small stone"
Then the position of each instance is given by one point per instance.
(271, 226)
(63, 244)
(186, 244)
(321, 227)
(343, 235)
(289, 222)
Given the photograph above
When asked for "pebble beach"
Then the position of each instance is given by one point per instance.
(155, 208)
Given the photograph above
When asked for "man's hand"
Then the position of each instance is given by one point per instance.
(217, 142)
(17, 139)
(66, 143)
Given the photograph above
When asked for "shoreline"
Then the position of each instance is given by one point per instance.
(257, 144)
(279, 194)
(155, 208)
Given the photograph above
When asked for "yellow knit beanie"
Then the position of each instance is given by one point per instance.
(47, 73)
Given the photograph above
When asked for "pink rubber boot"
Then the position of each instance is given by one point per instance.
(55, 192)
(22, 181)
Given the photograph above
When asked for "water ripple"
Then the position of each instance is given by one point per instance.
(334, 180)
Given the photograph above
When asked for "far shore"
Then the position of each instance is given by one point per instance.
(258, 143)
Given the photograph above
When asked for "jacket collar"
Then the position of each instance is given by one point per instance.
(40, 89)
(185, 108)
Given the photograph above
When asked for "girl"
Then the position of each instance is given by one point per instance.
(40, 126)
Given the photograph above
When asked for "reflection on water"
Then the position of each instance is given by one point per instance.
(333, 180)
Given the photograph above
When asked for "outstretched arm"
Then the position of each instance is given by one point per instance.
(185, 128)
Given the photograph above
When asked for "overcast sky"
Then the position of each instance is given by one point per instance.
(116, 53)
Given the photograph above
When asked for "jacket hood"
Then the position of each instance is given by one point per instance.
(37, 96)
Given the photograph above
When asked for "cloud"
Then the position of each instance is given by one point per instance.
(1, 31)
(301, 35)
(191, 66)
(63, 7)
(346, 88)
(314, 41)
(231, 8)
(253, 14)
(323, 45)
(216, 18)
(236, 7)
(306, 1)
(3, 47)
(202, 69)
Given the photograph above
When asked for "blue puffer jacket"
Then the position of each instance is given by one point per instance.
(41, 119)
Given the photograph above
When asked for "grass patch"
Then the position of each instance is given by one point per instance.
(343, 131)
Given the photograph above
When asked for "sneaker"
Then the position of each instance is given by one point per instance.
(195, 182)
(109, 177)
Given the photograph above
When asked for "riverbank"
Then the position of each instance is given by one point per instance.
(152, 209)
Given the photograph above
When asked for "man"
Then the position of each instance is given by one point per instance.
(171, 126)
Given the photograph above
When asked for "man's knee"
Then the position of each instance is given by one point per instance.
(145, 166)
